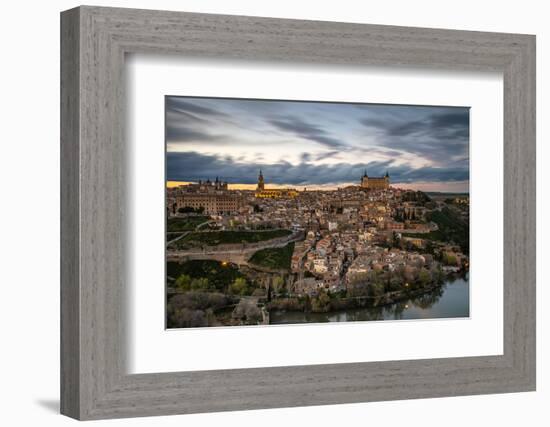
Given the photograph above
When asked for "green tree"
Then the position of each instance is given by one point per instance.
(238, 287)
(278, 284)
(183, 282)
(376, 289)
(424, 277)
(321, 303)
(449, 259)
(200, 284)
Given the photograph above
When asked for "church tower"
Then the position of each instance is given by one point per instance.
(261, 183)
(365, 180)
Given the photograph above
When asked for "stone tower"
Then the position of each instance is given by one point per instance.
(261, 183)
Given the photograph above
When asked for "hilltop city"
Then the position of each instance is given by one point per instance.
(242, 257)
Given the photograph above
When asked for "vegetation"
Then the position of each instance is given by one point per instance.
(278, 284)
(171, 235)
(247, 312)
(187, 283)
(214, 238)
(189, 209)
(239, 287)
(416, 196)
(449, 259)
(194, 309)
(210, 293)
(274, 258)
(321, 303)
(452, 228)
(407, 278)
(185, 224)
(204, 275)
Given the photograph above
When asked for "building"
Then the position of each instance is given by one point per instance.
(415, 241)
(212, 197)
(211, 204)
(375, 183)
(205, 186)
(389, 224)
(273, 193)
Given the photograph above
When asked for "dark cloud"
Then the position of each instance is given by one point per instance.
(189, 122)
(180, 105)
(349, 136)
(326, 155)
(192, 166)
(440, 137)
(308, 131)
(449, 125)
(185, 134)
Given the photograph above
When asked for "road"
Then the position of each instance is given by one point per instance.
(236, 256)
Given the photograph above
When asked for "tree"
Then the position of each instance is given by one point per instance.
(395, 240)
(247, 312)
(278, 284)
(193, 309)
(321, 303)
(376, 289)
(409, 274)
(424, 277)
(449, 259)
(199, 284)
(238, 287)
(183, 282)
(186, 318)
(358, 285)
(437, 274)
(186, 209)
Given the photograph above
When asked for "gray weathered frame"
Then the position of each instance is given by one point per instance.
(94, 42)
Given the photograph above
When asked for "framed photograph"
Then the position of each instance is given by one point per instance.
(261, 213)
(293, 229)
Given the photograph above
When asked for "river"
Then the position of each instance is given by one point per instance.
(451, 300)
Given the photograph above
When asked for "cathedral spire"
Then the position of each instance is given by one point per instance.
(261, 184)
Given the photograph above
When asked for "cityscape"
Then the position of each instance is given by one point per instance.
(314, 227)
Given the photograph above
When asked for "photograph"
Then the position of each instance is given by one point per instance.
(285, 212)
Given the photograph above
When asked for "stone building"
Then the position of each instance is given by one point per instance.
(273, 193)
(375, 183)
(212, 204)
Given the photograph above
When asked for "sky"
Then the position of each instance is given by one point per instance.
(316, 144)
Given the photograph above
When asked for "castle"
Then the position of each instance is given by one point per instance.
(375, 183)
(273, 193)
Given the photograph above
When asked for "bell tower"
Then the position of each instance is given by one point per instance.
(261, 183)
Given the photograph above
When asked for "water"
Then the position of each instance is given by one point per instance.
(451, 300)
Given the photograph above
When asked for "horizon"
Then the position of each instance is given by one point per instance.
(328, 187)
(302, 144)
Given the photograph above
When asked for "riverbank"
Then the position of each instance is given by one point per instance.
(448, 300)
(334, 303)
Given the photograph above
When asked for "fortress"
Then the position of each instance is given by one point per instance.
(375, 183)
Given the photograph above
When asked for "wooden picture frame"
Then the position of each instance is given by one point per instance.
(94, 382)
